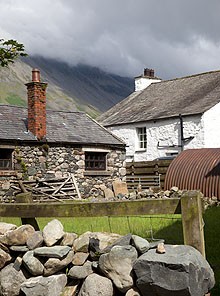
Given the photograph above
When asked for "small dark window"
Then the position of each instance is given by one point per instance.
(6, 159)
(95, 161)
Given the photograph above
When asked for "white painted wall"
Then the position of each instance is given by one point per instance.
(211, 119)
(142, 82)
(166, 132)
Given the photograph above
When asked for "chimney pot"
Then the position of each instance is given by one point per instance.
(151, 73)
(146, 72)
(36, 75)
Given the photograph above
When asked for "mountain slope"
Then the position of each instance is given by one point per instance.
(69, 88)
(90, 84)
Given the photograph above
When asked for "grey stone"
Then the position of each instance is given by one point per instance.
(53, 232)
(35, 240)
(33, 264)
(44, 286)
(122, 171)
(4, 227)
(122, 241)
(20, 249)
(52, 252)
(17, 263)
(81, 272)
(141, 244)
(81, 244)
(133, 195)
(19, 236)
(108, 193)
(4, 258)
(54, 265)
(181, 271)
(95, 285)
(80, 258)
(10, 281)
(117, 265)
(68, 239)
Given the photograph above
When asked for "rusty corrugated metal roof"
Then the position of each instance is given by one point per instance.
(196, 169)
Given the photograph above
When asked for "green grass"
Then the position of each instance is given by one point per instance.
(166, 227)
(14, 99)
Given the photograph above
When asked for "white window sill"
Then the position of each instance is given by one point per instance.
(141, 150)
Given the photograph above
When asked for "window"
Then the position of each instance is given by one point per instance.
(142, 137)
(6, 159)
(95, 161)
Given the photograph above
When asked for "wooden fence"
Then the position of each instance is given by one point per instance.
(190, 206)
(146, 173)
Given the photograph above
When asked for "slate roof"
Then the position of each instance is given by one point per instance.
(187, 96)
(62, 127)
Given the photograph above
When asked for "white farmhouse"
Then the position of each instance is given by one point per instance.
(162, 118)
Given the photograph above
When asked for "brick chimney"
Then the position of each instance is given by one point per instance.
(36, 92)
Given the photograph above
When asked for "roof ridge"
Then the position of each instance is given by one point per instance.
(50, 110)
(189, 76)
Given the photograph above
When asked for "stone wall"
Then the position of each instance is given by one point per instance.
(45, 161)
(53, 262)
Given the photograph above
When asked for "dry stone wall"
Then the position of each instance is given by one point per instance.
(54, 263)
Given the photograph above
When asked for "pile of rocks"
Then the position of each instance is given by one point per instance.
(53, 263)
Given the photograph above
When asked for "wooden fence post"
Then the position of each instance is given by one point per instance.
(191, 209)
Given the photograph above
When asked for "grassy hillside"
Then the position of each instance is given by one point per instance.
(13, 90)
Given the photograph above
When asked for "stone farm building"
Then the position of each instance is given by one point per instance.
(162, 118)
(37, 143)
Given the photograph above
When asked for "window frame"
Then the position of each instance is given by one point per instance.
(8, 159)
(95, 161)
(141, 133)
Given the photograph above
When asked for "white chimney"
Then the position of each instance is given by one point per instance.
(143, 81)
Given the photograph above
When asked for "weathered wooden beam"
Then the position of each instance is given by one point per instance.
(192, 221)
(94, 209)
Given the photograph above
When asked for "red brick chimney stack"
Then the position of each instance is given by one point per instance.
(36, 92)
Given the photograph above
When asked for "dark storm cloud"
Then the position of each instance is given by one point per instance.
(174, 37)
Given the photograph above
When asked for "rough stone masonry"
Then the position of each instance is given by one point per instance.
(54, 262)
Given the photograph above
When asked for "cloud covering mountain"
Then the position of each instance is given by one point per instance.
(174, 37)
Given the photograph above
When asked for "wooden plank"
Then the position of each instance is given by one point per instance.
(76, 186)
(191, 208)
(60, 187)
(94, 209)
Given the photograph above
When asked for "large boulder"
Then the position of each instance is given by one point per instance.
(117, 266)
(181, 271)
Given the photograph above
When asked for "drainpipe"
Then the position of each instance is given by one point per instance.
(181, 133)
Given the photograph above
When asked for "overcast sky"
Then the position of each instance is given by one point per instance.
(174, 37)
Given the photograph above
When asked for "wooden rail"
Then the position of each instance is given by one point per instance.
(190, 206)
(147, 168)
